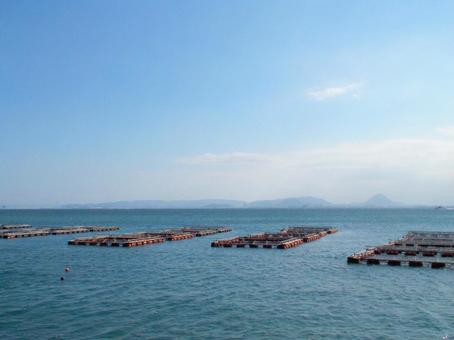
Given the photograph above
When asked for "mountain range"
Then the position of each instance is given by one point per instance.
(306, 202)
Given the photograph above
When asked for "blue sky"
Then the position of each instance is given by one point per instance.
(123, 100)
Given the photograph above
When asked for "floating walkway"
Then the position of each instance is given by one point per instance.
(145, 238)
(4, 227)
(28, 231)
(416, 249)
(287, 238)
(201, 231)
(126, 240)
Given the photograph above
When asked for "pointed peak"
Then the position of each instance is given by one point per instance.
(380, 200)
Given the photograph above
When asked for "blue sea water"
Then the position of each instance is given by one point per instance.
(188, 290)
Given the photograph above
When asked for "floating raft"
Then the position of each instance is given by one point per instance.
(287, 238)
(33, 232)
(184, 233)
(4, 227)
(126, 240)
(416, 249)
(201, 231)
(145, 238)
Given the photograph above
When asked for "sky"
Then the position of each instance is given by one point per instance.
(130, 100)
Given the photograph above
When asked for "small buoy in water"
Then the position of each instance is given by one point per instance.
(67, 269)
(62, 278)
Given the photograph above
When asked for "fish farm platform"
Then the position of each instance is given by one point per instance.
(28, 231)
(145, 238)
(416, 249)
(286, 238)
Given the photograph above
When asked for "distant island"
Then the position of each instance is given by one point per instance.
(306, 202)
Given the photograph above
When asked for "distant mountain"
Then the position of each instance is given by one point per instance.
(286, 203)
(157, 204)
(307, 202)
(381, 201)
(291, 203)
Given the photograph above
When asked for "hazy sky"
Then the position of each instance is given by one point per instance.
(122, 100)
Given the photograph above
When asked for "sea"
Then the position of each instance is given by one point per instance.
(189, 290)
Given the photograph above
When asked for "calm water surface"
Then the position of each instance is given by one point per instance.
(188, 290)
